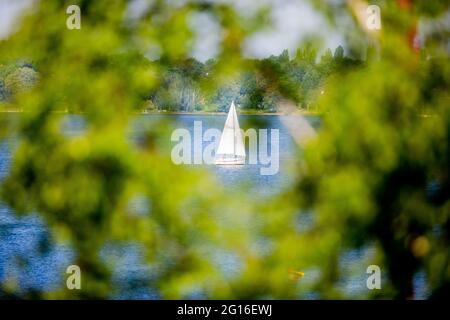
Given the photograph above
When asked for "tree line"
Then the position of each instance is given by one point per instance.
(184, 86)
(301, 77)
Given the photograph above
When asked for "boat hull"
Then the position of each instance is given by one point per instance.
(229, 161)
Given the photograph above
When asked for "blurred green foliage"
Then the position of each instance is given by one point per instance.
(376, 176)
(378, 172)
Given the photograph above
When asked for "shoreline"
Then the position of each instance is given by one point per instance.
(216, 113)
(200, 113)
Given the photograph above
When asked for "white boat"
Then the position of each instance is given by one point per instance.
(231, 150)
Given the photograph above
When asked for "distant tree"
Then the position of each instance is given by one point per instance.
(284, 57)
(19, 80)
(339, 53)
(326, 63)
(2, 90)
(307, 53)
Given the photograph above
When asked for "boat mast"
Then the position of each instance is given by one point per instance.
(234, 130)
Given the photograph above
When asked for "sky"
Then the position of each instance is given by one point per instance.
(292, 21)
(9, 13)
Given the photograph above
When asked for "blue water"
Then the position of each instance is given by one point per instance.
(29, 259)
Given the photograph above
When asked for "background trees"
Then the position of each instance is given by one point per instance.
(15, 79)
(179, 88)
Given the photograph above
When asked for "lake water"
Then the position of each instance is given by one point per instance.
(22, 238)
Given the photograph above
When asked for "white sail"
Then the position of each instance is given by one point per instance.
(231, 142)
(238, 139)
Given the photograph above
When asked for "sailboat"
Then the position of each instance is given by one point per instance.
(231, 148)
